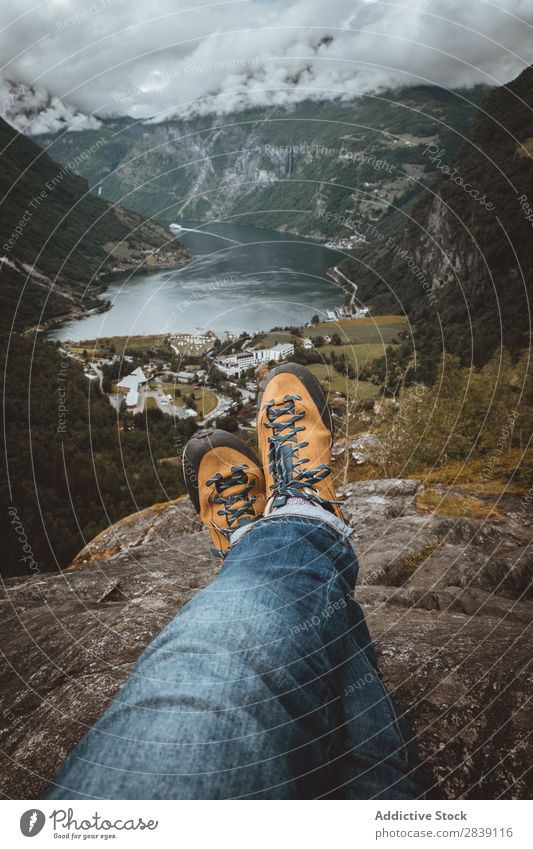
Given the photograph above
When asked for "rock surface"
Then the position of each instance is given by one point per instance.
(446, 599)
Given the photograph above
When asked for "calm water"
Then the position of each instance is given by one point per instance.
(239, 279)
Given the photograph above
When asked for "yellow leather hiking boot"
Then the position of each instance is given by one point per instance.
(225, 483)
(295, 435)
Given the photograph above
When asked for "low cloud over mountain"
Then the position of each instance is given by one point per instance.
(110, 57)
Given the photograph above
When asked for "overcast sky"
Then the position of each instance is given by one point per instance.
(159, 57)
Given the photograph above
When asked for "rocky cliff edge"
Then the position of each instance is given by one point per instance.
(446, 598)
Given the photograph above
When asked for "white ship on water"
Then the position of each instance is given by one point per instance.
(176, 228)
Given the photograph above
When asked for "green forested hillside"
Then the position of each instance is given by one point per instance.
(70, 474)
(56, 237)
(71, 466)
(477, 256)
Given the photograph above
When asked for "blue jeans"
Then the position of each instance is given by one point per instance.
(264, 686)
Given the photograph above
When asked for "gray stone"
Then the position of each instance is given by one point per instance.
(446, 600)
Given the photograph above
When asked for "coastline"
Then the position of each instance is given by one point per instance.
(102, 305)
(75, 313)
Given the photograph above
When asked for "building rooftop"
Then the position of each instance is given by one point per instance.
(129, 382)
(140, 375)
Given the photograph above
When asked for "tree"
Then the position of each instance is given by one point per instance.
(228, 422)
(315, 320)
(466, 414)
(89, 473)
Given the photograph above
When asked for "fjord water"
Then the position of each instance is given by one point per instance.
(240, 278)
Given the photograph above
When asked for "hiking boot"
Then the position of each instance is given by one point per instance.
(225, 483)
(295, 435)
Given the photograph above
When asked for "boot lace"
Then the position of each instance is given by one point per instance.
(291, 478)
(237, 507)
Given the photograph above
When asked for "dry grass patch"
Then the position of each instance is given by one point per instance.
(453, 504)
(414, 560)
(512, 473)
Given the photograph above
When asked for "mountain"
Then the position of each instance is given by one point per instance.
(461, 266)
(31, 109)
(303, 168)
(56, 238)
(69, 464)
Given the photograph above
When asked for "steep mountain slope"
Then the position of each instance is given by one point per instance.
(469, 245)
(298, 168)
(444, 599)
(68, 466)
(56, 238)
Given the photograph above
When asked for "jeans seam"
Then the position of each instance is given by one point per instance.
(390, 709)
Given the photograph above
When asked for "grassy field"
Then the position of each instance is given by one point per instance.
(364, 339)
(276, 336)
(100, 347)
(358, 355)
(360, 389)
(134, 344)
(205, 400)
(379, 329)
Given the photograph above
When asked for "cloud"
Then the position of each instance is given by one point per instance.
(33, 109)
(78, 58)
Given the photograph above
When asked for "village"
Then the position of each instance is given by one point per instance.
(200, 377)
(192, 381)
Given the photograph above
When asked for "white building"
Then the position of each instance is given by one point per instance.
(345, 312)
(281, 351)
(186, 377)
(307, 343)
(132, 398)
(140, 375)
(129, 386)
(262, 355)
(233, 365)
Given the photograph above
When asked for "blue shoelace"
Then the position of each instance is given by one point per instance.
(291, 480)
(236, 516)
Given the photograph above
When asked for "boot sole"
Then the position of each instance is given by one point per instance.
(309, 381)
(198, 446)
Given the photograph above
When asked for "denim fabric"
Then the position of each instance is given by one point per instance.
(264, 686)
(297, 507)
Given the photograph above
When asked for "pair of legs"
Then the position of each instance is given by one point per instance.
(265, 685)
